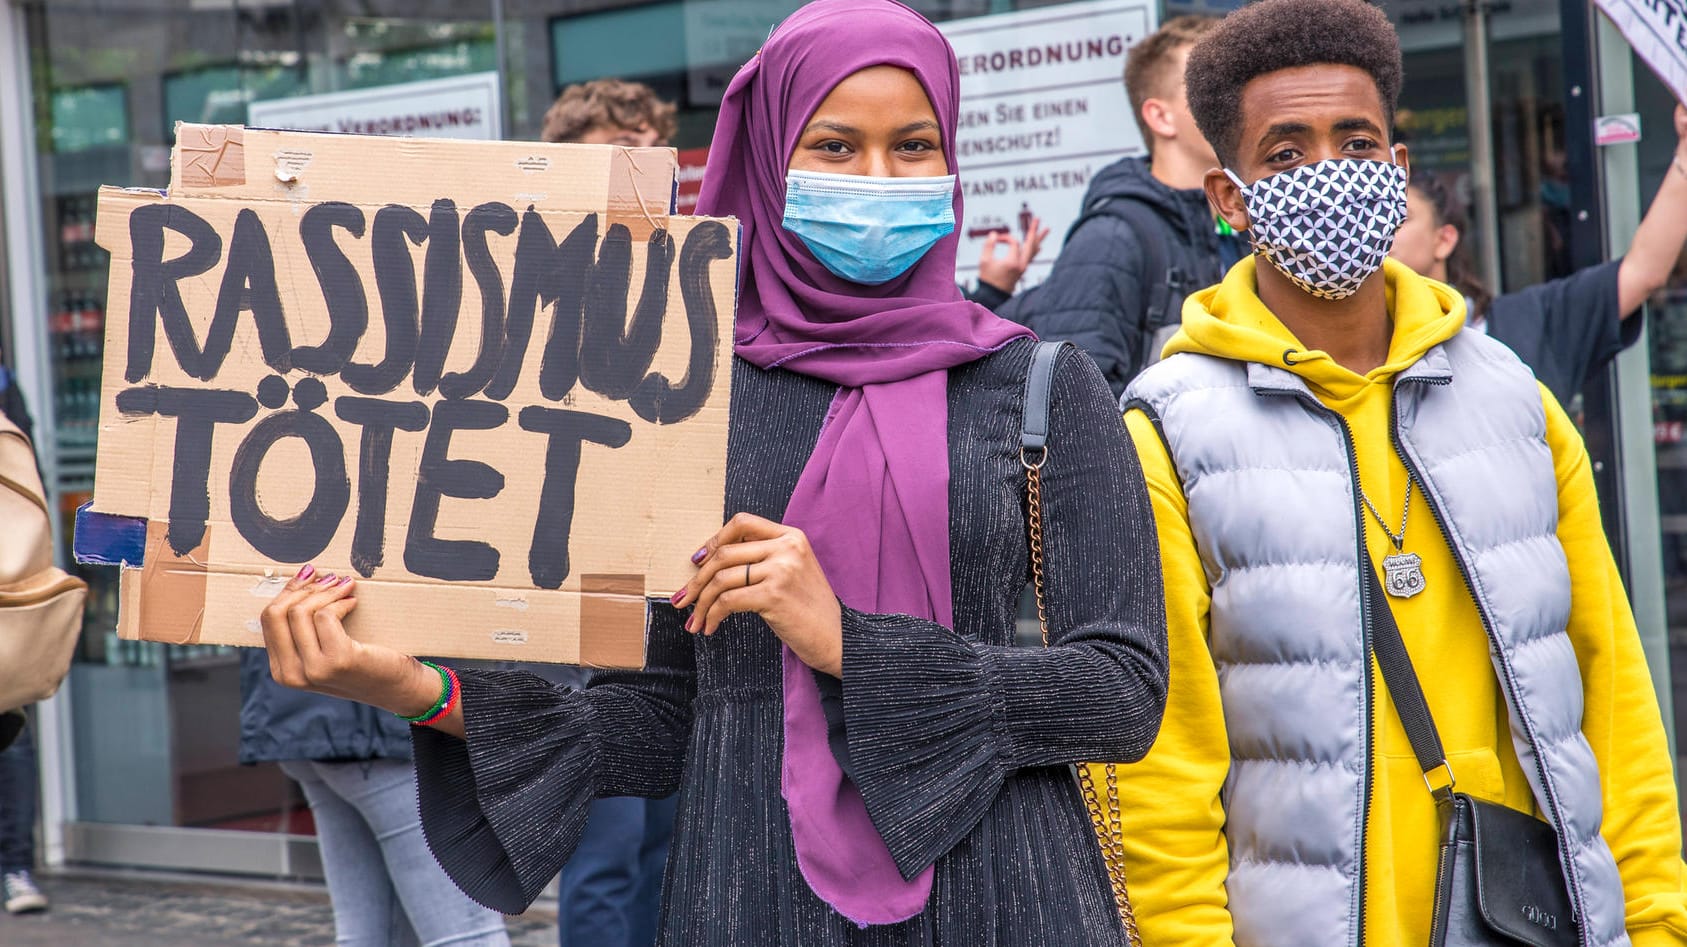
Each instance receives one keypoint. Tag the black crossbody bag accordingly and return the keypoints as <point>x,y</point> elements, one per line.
<point>1500,881</point>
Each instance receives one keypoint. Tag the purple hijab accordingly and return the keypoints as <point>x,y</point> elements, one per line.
<point>874,497</point>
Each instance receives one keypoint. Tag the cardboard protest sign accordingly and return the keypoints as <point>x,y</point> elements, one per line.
<point>1657,29</point>
<point>489,378</point>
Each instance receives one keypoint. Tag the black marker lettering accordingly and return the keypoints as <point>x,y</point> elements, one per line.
<point>499,219</point>
<point>613,355</point>
<point>378,419</point>
<point>342,287</point>
<point>248,284</point>
<point>442,296</point>
<point>302,537</point>
<point>657,400</point>
<point>547,558</point>
<point>395,280</point>
<point>197,412</point>
<point>153,289</point>
<point>453,560</point>
<point>546,273</point>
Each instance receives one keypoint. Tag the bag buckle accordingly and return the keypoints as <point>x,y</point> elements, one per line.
<point>1444,791</point>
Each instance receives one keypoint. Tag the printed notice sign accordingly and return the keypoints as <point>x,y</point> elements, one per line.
<point>1043,108</point>
<point>1657,29</point>
<point>458,107</point>
<point>490,379</point>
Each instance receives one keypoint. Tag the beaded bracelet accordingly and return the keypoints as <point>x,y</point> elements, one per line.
<point>450,702</point>
<point>447,690</point>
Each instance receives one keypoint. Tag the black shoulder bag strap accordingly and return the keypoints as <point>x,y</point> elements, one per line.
<point>1039,388</point>
<point>1500,880</point>
<point>1403,686</point>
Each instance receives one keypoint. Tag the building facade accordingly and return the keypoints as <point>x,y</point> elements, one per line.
<point>139,750</point>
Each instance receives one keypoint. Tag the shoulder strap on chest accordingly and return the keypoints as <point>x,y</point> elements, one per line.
<point>1039,388</point>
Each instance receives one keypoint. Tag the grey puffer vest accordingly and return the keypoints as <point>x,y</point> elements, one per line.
<point>1269,476</point>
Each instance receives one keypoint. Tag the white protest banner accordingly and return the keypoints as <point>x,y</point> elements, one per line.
<point>1657,29</point>
<point>458,107</point>
<point>1043,108</point>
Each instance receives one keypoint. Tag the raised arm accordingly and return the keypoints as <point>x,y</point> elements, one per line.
<point>1662,232</point>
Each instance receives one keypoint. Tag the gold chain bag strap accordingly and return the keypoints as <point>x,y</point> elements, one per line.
<point>1033,454</point>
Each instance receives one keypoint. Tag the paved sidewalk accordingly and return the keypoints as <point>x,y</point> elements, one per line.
<point>137,910</point>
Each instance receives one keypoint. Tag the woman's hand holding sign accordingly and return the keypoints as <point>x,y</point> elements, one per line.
<point>756,565</point>
<point>310,650</point>
<point>750,565</point>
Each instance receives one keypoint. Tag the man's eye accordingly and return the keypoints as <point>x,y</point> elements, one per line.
<point>1286,155</point>
<point>1362,144</point>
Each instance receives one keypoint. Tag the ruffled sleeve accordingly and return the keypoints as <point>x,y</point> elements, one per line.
<point>936,721</point>
<point>503,809</point>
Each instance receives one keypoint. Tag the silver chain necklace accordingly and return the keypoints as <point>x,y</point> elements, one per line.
<point>1403,571</point>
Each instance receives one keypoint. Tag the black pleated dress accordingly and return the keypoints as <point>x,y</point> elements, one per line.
<point>958,740</point>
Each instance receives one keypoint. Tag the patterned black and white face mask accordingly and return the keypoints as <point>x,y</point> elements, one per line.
<point>1327,226</point>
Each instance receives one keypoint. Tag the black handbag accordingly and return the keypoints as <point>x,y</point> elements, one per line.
<point>1500,880</point>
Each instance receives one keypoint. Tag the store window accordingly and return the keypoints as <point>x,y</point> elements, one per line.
<point>1527,88</point>
<point>1666,327</point>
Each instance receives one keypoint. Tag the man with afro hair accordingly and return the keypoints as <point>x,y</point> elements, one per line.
<point>1321,417</point>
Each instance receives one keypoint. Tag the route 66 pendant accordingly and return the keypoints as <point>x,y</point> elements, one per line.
<point>1402,574</point>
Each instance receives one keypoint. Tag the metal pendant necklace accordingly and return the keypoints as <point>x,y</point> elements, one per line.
<point>1402,571</point>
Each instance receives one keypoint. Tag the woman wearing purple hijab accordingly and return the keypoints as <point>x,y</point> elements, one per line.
<point>862,755</point>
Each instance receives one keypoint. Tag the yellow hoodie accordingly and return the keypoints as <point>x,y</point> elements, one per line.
<point>1173,813</point>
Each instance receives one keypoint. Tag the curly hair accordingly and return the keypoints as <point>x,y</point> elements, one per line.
<point>1272,35</point>
<point>607,102</point>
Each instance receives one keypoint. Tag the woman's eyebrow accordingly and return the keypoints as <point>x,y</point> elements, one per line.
<point>924,124</point>
<point>831,126</point>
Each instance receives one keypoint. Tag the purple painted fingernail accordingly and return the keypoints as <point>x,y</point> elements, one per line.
<point>305,573</point>
<point>678,595</point>
<point>699,555</point>
<point>344,580</point>
<point>327,579</point>
<point>689,622</point>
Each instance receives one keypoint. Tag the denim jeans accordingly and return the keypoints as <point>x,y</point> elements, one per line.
<point>384,882</point>
<point>18,779</point>
<point>611,889</point>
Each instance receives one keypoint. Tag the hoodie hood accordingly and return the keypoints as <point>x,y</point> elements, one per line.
<point>1130,177</point>
<point>1230,321</point>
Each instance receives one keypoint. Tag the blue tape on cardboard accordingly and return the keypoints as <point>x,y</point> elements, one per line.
<point>104,539</point>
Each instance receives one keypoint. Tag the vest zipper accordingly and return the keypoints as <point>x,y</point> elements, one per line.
<point>1508,681</point>
<point>1364,553</point>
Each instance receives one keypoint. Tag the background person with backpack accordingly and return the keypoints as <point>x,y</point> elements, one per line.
<point>1147,237</point>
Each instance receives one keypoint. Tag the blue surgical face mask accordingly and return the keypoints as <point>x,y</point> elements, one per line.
<point>868,230</point>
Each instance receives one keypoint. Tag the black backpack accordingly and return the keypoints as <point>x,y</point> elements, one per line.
<point>1165,296</point>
